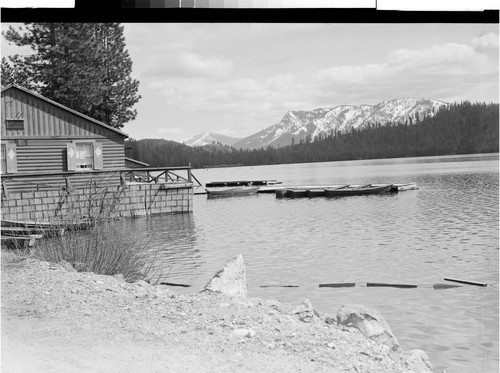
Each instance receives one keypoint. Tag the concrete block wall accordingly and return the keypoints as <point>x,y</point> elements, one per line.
<point>134,200</point>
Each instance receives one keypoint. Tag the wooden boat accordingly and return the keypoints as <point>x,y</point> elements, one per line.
<point>234,183</point>
<point>20,241</point>
<point>291,193</point>
<point>296,193</point>
<point>44,228</point>
<point>311,193</point>
<point>231,191</point>
<point>359,190</point>
<point>404,187</point>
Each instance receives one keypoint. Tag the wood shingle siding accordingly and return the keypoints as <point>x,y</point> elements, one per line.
<point>38,130</point>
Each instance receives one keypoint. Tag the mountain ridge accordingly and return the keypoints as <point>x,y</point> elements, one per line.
<point>207,138</point>
<point>300,125</point>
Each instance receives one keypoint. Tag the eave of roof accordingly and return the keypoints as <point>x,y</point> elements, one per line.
<point>136,161</point>
<point>64,108</point>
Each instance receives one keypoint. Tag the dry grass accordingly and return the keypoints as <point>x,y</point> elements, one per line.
<point>107,248</point>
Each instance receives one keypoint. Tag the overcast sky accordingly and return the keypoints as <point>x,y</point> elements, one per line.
<point>236,79</point>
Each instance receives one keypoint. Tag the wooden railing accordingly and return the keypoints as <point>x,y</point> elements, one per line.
<point>36,181</point>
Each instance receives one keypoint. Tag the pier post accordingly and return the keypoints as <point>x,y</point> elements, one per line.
<point>190,179</point>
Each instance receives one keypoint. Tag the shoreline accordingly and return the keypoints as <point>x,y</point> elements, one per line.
<point>55,319</point>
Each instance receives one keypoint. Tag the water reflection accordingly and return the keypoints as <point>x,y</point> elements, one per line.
<point>172,238</point>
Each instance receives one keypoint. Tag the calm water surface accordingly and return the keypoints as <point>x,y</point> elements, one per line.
<point>447,228</point>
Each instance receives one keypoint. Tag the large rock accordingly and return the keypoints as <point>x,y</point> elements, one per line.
<point>369,322</point>
<point>230,280</point>
<point>306,312</point>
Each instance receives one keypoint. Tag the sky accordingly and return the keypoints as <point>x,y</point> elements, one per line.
<point>237,79</point>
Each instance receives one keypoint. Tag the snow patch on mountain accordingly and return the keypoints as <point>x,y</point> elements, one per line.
<point>207,138</point>
<point>323,121</point>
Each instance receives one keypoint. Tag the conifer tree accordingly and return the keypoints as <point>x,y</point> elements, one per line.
<point>83,66</point>
<point>11,75</point>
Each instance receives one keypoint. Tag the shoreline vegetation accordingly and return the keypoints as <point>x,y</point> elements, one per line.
<point>55,319</point>
<point>460,128</point>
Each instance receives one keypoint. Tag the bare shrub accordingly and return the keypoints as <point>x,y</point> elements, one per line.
<point>106,246</point>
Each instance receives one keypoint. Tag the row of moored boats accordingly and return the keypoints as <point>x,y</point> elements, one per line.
<point>309,191</point>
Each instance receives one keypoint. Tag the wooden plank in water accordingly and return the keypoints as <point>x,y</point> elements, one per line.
<point>466,282</point>
<point>338,285</point>
<point>401,286</point>
<point>174,284</point>
<point>445,286</point>
<point>279,286</point>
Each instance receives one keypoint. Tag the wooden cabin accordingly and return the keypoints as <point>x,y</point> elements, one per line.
<point>45,145</point>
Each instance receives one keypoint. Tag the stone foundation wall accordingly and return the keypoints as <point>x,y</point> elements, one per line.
<point>134,200</point>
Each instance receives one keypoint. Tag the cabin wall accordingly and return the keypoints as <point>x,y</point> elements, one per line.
<point>40,143</point>
<point>135,200</point>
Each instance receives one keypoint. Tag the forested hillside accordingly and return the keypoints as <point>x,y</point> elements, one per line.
<point>460,128</point>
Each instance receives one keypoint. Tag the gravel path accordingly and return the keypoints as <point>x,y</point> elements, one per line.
<point>57,320</point>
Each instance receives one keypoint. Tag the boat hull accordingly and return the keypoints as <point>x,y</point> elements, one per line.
<point>360,191</point>
<point>231,192</point>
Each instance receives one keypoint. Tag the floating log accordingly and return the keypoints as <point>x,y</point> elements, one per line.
<point>402,286</point>
<point>445,286</point>
<point>466,282</point>
<point>279,286</point>
<point>174,284</point>
<point>338,285</point>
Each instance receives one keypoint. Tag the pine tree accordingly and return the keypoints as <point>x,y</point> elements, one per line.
<point>83,66</point>
<point>12,75</point>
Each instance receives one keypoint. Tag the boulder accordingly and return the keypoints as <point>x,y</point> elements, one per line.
<point>305,311</point>
<point>143,290</point>
<point>417,361</point>
<point>67,266</point>
<point>369,322</point>
<point>249,333</point>
<point>230,280</point>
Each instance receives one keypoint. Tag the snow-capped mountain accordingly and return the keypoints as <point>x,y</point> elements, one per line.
<point>300,124</point>
<point>210,138</point>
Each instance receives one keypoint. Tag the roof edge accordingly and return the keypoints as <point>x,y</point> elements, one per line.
<point>107,126</point>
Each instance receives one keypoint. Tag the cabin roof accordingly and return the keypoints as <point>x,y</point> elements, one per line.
<point>136,161</point>
<point>10,86</point>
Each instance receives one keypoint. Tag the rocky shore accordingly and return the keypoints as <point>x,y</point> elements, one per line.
<point>55,319</point>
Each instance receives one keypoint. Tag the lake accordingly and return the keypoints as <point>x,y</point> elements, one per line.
<point>449,227</point>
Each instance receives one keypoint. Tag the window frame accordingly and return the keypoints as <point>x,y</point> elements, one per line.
<point>97,160</point>
<point>10,163</point>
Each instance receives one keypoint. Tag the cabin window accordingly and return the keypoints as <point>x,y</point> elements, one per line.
<point>4,159</point>
<point>9,157</point>
<point>84,156</point>
<point>14,124</point>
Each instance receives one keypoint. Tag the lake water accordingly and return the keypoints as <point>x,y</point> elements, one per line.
<point>447,228</point>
